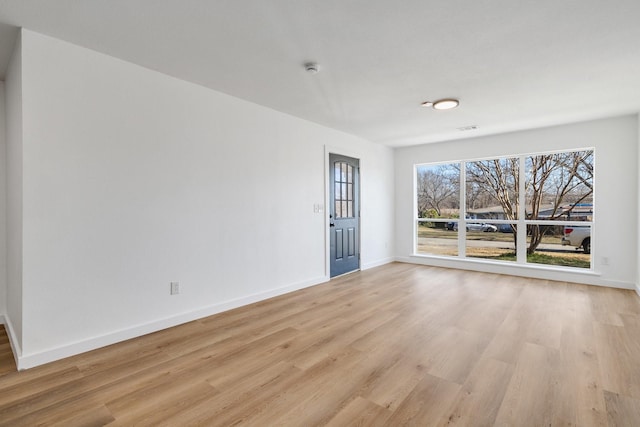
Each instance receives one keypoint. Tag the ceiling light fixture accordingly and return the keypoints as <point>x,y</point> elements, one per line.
<point>311,67</point>
<point>442,104</point>
<point>446,104</point>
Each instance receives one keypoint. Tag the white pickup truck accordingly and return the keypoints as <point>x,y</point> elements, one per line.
<point>578,236</point>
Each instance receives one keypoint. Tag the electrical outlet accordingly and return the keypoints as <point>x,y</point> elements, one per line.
<point>174,288</point>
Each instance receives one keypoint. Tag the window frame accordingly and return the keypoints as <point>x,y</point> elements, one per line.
<point>521,222</point>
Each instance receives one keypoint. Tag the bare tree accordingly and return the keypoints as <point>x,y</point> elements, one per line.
<point>478,196</point>
<point>561,180</point>
<point>500,179</point>
<point>438,188</point>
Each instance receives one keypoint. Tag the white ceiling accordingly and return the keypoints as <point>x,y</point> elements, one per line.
<point>513,64</point>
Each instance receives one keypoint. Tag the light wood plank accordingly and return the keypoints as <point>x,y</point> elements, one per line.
<point>426,403</point>
<point>360,413</point>
<point>454,353</point>
<point>396,345</point>
<point>481,396</point>
<point>534,389</point>
<point>622,411</point>
<point>618,352</point>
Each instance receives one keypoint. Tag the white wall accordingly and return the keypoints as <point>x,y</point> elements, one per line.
<point>13,98</point>
<point>377,206</point>
<point>616,192</point>
<point>637,261</point>
<point>133,179</point>
<point>3,207</point>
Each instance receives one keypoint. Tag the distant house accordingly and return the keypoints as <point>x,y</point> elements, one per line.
<point>578,212</point>
<point>492,212</point>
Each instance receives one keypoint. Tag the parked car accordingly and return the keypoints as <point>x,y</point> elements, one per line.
<point>487,228</point>
<point>505,228</point>
<point>578,236</point>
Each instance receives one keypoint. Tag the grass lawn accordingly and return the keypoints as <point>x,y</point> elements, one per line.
<point>538,258</point>
<point>432,241</point>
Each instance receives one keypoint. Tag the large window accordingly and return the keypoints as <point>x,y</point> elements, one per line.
<point>534,209</point>
<point>438,196</point>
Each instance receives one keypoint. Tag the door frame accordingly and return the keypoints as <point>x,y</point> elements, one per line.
<point>327,242</point>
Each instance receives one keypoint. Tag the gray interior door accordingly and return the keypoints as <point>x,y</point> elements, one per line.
<point>344,214</point>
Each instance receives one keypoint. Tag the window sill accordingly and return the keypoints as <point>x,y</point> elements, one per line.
<point>529,266</point>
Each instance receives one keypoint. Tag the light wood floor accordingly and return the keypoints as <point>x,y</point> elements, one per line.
<point>396,345</point>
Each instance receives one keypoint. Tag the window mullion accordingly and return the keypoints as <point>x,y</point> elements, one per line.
<point>462,229</point>
<point>521,249</point>
<point>415,208</point>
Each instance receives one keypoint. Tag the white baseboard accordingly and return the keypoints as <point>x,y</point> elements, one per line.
<point>26,361</point>
<point>638,289</point>
<point>377,263</point>
<point>13,340</point>
<point>534,272</point>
